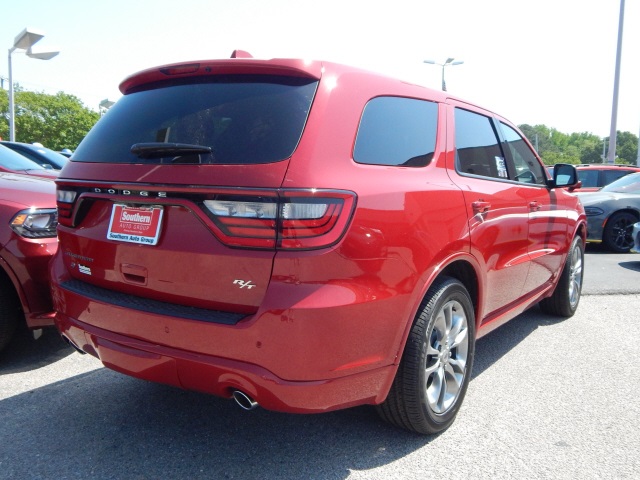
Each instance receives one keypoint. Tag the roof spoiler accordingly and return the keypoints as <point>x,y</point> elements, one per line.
<point>240,54</point>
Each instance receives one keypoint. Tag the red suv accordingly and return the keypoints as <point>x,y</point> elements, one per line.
<point>27,242</point>
<point>307,236</point>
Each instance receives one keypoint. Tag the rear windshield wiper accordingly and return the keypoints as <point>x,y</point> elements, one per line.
<point>160,149</point>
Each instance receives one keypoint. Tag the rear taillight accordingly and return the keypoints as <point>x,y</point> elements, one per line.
<point>244,222</point>
<point>293,220</point>
<point>276,219</point>
<point>65,199</point>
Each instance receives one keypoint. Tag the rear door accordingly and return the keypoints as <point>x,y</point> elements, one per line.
<point>498,214</point>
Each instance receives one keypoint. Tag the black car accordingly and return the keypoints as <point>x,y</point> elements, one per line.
<point>39,154</point>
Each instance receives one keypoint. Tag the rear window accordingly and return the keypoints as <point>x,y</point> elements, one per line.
<point>243,119</point>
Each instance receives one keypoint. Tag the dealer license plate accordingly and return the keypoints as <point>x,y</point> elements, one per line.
<point>135,224</point>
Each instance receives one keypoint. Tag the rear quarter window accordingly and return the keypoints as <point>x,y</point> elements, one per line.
<point>613,175</point>
<point>397,131</point>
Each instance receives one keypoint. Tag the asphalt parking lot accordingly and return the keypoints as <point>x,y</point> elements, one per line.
<point>549,399</point>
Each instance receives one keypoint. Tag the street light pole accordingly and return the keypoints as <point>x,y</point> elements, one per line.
<point>24,41</point>
<point>611,158</point>
<point>449,61</point>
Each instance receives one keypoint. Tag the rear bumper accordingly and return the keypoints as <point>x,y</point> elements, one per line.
<point>220,376</point>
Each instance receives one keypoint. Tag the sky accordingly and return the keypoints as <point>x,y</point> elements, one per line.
<point>548,62</point>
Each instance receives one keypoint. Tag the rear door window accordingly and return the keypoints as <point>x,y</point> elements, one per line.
<point>397,131</point>
<point>478,149</point>
<point>242,119</point>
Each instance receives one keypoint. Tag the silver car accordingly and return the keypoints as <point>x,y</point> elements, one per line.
<point>612,211</point>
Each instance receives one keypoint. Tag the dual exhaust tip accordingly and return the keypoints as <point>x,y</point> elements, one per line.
<point>243,400</point>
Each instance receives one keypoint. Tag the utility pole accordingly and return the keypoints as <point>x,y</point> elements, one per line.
<point>611,158</point>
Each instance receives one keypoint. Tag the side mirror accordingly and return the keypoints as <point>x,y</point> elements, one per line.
<point>565,176</point>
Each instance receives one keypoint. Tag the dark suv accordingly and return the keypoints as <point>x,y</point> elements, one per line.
<point>307,236</point>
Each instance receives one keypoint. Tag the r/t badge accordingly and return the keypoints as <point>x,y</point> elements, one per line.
<point>248,285</point>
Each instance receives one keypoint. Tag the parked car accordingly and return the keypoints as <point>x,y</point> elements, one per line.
<point>612,211</point>
<point>43,156</point>
<point>12,162</point>
<point>594,176</point>
<point>636,238</point>
<point>28,240</point>
<point>307,236</point>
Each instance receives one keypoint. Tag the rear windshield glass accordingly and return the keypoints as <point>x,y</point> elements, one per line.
<point>241,119</point>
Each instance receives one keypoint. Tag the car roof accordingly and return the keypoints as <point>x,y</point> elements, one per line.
<point>603,166</point>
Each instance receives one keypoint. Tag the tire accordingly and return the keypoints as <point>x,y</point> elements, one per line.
<point>9,311</point>
<point>565,298</point>
<point>617,232</point>
<point>434,372</point>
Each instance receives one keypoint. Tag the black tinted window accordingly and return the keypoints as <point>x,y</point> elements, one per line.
<point>589,178</point>
<point>527,167</point>
<point>243,119</point>
<point>397,131</point>
<point>477,148</point>
<point>613,175</point>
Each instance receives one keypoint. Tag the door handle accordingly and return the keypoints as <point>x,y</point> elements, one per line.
<point>534,206</point>
<point>480,207</point>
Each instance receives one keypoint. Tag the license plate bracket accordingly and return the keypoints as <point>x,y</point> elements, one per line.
<point>135,224</point>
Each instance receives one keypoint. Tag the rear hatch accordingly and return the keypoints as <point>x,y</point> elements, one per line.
<point>173,199</point>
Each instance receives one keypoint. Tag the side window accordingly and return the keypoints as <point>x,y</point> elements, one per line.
<point>611,175</point>
<point>589,178</point>
<point>477,147</point>
<point>397,131</point>
<point>527,167</point>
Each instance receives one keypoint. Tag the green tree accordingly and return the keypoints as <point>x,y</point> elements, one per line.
<point>56,121</point>
<point>555,147</point>
<point>626,148</point>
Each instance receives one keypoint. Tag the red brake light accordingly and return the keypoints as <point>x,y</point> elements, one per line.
<point>294,220</point>
<point>181,69</point>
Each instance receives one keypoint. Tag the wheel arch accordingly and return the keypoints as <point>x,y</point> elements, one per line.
<point>633,211</point>
<point>7,276</point>
<point>463,269</point>
<point>612,243</point>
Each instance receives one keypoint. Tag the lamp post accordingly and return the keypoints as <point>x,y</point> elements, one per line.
<point>611,157</point>
<point>448,62</point>
<point>105,105</point>
<point>24,41</point>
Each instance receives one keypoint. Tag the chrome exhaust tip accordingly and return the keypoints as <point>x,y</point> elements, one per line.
<point>75,347</point>
<point>243,400</point>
